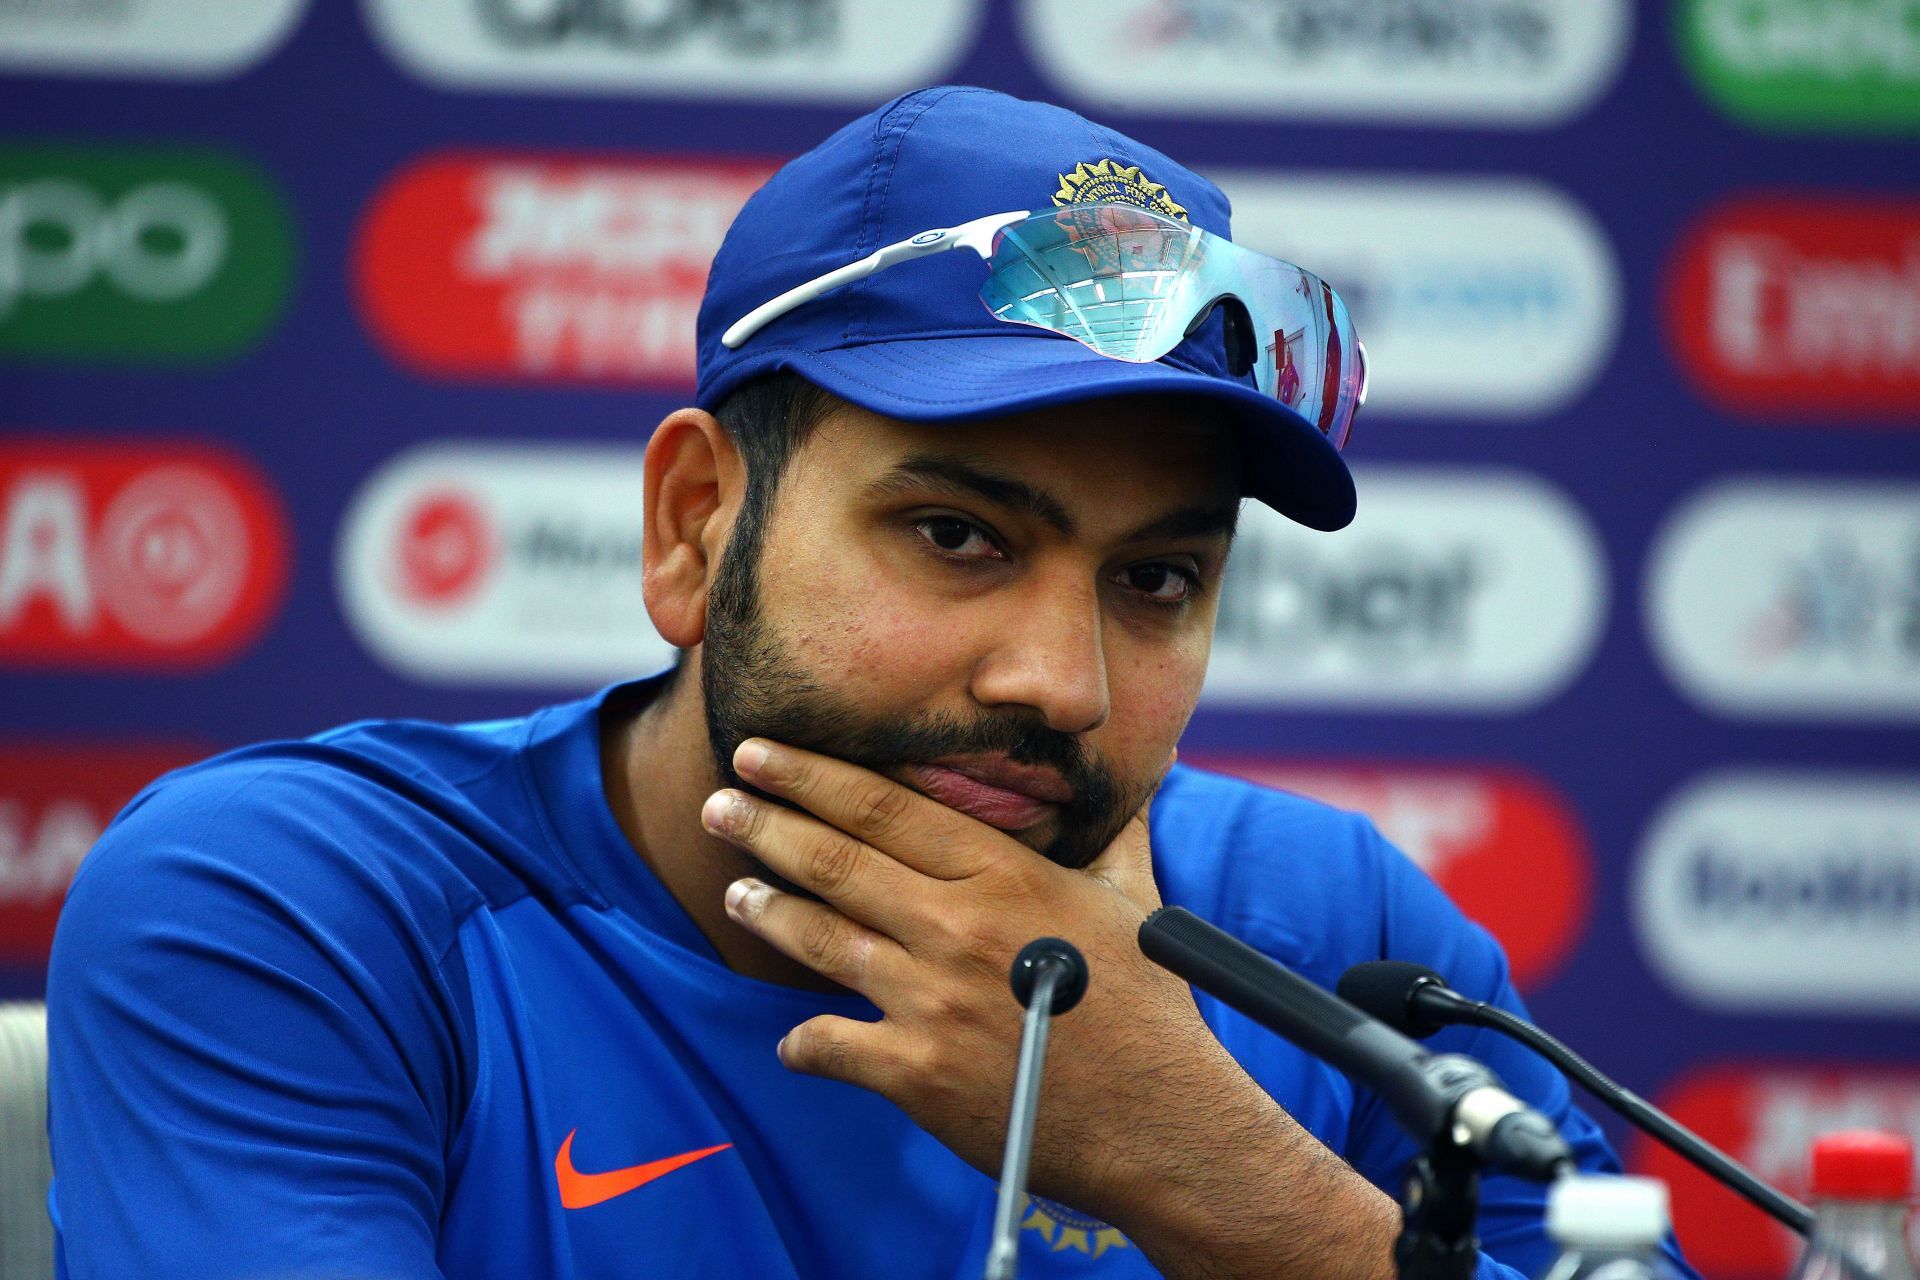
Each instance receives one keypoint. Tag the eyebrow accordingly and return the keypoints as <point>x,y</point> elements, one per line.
<point>938,471</point>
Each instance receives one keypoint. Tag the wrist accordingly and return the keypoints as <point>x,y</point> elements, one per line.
<point>1251,1193</point>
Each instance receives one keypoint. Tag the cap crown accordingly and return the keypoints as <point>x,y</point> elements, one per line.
<point>933,158</point>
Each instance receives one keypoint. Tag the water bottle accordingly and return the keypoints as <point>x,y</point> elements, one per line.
<point>1608,1228</point>
<point>1861,1181</point>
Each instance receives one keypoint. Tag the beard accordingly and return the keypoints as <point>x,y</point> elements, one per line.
<point>752,686</point>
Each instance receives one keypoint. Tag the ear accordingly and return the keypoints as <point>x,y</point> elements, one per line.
<point>695,480</point>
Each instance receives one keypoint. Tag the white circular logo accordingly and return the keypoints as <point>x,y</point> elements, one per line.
<point>172,555</point>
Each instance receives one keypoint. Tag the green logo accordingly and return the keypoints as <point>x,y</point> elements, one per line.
<point>1808,64</point>
<point>137,255</point>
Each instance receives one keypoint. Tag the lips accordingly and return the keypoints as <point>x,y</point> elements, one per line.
<point>999,793</point>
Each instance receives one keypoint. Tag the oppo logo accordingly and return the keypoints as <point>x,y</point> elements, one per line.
<point>1514,63</point>
<point>1504,845</point>
<point>501,564</point>
<point>842,51</point>
<point>1488,297</point>
<point>133,554</point>
<point>1453,590</point>
<point>1785,892</point>
<point>158,242</point>
<point>137,255</point>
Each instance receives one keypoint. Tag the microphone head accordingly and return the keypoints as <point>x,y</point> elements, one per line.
<point>1386,989</point>
<point>1067,988</point>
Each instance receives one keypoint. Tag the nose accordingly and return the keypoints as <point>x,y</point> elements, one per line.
<point>1047,655</point>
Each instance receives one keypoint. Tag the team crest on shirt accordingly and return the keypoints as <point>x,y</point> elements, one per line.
<point>1067,1229</point>
<point>1107,181</point>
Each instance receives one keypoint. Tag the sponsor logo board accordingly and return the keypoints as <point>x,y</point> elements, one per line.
<point>55,800</point>
<point>547,268</point>
<point>1453,590</point>
<point>1510,63</point>
<point>134,554</point>
<point>150,255</point>
<point>1792,598</point>
<point>1797,64</point>
<point>1484,297</point>
<point>1766,1116</point>
<point>1802,308</point>
<point>850,51</point>
<point>502,564</point>
<point>170,39</point>
<point>1785,892</point>
<point>1504,845</point>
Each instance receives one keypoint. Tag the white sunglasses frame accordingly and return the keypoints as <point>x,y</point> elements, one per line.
<point>977,235</point>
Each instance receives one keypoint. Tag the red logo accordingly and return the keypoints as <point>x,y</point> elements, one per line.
<point>584,1190</point>
<point>547,268</point>
<point>446,549</point>
<point>1802,307</point>
<point>54,803</point>
<point>1503,845</point>
<point>1766,1117</point>
<point>134,554</point>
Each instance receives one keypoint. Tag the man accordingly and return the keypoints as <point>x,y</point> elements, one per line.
<point>707,974</point>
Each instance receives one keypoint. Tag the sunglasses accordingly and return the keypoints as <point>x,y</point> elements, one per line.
<point>1133,284</point>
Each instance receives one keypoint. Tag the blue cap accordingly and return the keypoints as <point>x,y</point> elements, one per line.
<point>914,341</point>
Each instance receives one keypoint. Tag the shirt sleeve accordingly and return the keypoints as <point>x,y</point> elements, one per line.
<point>254,1059</point>
<point>1423,926</point>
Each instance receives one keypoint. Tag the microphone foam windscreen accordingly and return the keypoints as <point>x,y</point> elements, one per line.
<point>1384,988</point>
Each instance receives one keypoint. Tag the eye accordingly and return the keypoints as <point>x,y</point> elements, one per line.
<point>958,538</point>
<point>1160,582</point>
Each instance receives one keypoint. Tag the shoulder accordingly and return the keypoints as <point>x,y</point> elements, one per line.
<point>381,829</point>
<point>1316,886</point>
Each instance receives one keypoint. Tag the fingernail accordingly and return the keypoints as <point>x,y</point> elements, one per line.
<point>749,756</point>
<point>780,1050</point>
<point>721,809</point>
<point>745,897</point>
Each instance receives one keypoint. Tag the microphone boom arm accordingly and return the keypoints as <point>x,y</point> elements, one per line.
<point>1631,1107</point>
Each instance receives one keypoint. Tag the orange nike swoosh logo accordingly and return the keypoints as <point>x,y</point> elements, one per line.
<point>584,1190</point>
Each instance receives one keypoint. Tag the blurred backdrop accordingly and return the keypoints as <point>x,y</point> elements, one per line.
<point>331,332</point>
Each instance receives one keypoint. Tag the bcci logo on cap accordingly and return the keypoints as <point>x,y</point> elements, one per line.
<point>1107,181</point>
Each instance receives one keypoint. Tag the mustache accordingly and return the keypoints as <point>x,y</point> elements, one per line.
<point>811,719</point>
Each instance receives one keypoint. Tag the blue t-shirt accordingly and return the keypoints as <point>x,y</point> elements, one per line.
<point>365,1005</point>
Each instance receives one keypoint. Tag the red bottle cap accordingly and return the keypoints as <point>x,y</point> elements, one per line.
<point>1862,1164</point>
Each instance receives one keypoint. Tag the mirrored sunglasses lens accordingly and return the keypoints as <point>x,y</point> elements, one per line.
<point>1115,278</point>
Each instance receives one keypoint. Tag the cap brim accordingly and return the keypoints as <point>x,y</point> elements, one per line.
<point>1289,465</point>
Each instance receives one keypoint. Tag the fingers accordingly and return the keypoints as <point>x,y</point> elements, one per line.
<point>922,833</point>
<point>840,1049</point>
<point>858,879</point>
<point>815,935</point>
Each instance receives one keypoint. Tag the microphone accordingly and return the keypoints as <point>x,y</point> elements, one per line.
<point>1416,1000</point>
<point>1049,977</point>
<point>1433,1095</point>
